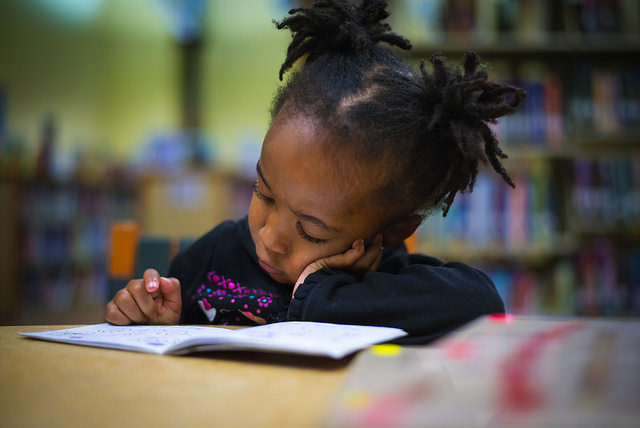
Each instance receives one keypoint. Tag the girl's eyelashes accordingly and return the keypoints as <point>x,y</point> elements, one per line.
<point>260,195</point>
<point>307,236</point>
<point>301,232</point>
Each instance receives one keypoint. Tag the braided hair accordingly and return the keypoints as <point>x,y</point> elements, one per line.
<point>430,128</point>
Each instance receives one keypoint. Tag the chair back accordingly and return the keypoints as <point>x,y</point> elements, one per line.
<point>132,252</point>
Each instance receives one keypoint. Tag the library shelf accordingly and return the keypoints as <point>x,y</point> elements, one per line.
<point>529,255</point>
<point>571,227</point>
<point>550,46</point>
<point>59,238</point>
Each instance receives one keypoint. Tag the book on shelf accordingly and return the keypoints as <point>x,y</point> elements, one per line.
<point>601,16</point>
<point>296,337</point>
<point>494,214</point>
<point>533,21</point>
<point>606,101</point>
<point>605,193</point>
<point>598,280</point>
<point>597,101</point>
<point>63,242</point>
<point>553,106</point>
<point>529,22</point>
<point>517,213</point>
<point>459,19</point>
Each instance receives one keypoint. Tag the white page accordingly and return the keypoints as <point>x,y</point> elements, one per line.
<point>154,339</point>
<point>315,338</point>
<point>333,340</point>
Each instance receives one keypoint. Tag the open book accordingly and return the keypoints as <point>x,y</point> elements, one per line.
<point>300,337</point>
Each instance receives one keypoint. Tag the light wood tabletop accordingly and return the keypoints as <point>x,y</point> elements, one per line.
<point>54,384</point>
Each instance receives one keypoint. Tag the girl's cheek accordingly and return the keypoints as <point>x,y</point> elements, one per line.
<point>313,252</point>
<point>303,257</point>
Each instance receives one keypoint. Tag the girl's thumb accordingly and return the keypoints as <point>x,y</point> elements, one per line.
<point>169,286</point>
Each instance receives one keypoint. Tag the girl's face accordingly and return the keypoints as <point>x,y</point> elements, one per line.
<point>304,206</point>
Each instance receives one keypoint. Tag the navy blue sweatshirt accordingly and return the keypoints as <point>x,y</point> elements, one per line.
<point>222,283</point>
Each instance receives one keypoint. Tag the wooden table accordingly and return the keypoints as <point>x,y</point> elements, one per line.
<point>53,384</point>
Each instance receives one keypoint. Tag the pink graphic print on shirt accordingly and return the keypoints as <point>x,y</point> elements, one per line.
<point>232,302</point>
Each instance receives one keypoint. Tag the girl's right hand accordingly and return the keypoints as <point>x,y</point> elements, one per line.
<point>358,259</point>
<point>150,300</point>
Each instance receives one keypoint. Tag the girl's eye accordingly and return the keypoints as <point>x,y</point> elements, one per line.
<point>308,237</point>
<point>268,200</point>
<point>260,195</point>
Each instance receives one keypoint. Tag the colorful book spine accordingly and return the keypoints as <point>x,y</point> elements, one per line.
<point>605,193</point>
<point>495,215</point>
<point>554,113</point>
<point>598,281</point>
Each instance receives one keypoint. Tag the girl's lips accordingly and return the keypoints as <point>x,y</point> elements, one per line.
<point>268,267</point>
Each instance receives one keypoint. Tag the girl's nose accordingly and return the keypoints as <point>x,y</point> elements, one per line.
<point>273,234</point>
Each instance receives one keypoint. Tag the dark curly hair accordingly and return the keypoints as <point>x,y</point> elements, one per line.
<point>430,127</point>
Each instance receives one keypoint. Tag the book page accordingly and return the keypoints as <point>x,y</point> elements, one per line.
<point>154,339</point>
<point>316,338</point>
<point>311,338</point>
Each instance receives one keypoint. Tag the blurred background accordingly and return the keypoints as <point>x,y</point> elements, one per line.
<point>153,111</point>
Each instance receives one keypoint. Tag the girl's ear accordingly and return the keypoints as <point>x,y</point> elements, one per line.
<point>400,230</point>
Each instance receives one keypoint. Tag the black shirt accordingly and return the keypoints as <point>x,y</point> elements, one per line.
<point>222,283</point>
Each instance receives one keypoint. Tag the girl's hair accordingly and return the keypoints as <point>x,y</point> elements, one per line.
<point>430,128</point>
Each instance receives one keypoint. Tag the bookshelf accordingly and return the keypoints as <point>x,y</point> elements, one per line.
<point>58,236</point>
<point>55,233</point>
<point>600,47</point>
<point>567,239</point>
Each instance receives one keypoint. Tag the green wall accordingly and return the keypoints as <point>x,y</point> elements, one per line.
<point>109,72</point>
<point>242,56</point>
<point>108,78</point>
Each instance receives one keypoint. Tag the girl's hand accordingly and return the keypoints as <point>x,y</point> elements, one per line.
<point>150,300</point>
<point>356,260</point>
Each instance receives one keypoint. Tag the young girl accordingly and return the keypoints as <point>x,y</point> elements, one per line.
<point>360,149</point>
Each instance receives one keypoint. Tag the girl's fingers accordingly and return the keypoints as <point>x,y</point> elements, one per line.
<point>170,289</point>
<point>151,279</point>
<point>376,263</point>
<point>114,315</point>
<point>356,259</point>
<point>371,257</point>
<point>168,312</point>
<point>152,299</point>
<point>343,260</point>
<point>126,303</point>
<point>339,261</point>
<point>143,299</point>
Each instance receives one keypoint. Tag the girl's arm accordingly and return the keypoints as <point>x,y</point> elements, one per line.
<point>420,294</point>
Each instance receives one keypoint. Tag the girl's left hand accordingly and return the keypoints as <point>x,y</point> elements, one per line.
<point>356,260</point>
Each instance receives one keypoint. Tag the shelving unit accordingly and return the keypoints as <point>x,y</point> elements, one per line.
<point>553,47</point>
<point>58,237</point>
<point>567,240</point>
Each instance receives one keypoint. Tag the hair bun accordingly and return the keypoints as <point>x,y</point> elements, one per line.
<point>339,26</point>
<point>462,103</point>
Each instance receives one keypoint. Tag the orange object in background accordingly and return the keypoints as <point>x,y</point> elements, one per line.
<point>124,244</point>
<point>412,243</point>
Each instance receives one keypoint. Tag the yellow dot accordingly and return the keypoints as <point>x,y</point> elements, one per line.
<point>386,350</point>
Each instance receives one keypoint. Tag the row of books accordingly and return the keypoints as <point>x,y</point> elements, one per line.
<point>494,214</point>
<point>65,238</point>
<point>605,194</point>
<point>600,280</point>
<point>604,99</point>
<point>437,21</point>
<point>595,101</point>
